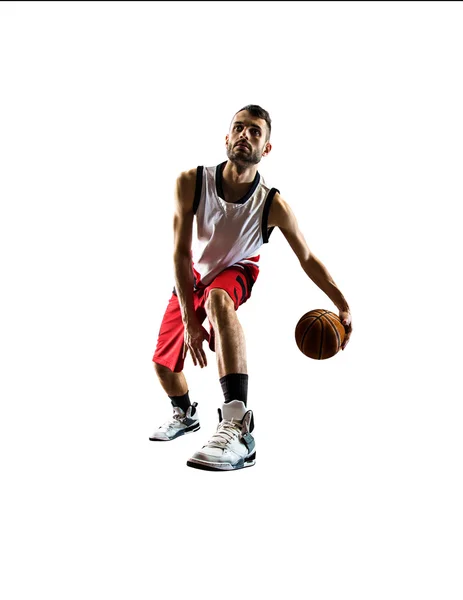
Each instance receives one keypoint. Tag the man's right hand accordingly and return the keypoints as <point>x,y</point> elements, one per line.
<point>195,334</point>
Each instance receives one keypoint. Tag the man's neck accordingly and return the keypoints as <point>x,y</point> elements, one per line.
<point>235,174</point>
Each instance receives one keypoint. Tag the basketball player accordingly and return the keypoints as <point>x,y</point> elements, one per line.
<point>234,213</point>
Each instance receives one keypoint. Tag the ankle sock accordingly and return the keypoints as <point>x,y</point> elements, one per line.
<point>182,402</point>
<point>235,387</point>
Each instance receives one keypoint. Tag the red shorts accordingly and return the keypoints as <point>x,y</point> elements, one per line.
<point>235,281</point>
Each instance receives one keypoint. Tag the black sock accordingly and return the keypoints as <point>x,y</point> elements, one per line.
<point>235,387</point>
<point>182,402</point>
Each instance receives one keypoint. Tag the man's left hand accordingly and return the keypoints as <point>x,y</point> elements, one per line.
<point>346,320</point>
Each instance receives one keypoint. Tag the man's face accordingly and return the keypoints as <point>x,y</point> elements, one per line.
<point>246,142</point>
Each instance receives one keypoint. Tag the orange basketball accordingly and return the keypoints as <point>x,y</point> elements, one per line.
<point>319,334</point>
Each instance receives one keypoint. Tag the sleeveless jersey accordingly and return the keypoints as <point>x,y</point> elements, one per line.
<point>228,233</point>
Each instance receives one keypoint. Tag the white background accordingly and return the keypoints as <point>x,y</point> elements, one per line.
<point>357,489</point>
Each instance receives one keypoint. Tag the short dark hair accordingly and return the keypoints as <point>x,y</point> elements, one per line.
<point>260,113</point>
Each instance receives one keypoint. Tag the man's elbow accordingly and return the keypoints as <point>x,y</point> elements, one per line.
<point>313,267</point>
<point>308,260</point>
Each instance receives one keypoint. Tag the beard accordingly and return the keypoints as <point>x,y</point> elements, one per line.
<point>243,156</point>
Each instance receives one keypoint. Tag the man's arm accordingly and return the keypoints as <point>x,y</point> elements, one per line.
<point>183,272</point>
<point>283,217</point>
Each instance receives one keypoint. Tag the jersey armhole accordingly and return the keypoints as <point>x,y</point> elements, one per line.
<point>266,232</point>
<point>198,188</point>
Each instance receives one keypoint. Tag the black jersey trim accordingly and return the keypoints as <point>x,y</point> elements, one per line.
<point>198,188</point>
<point>219,188</point>
<point>218,179</point>
<point>266,232</point>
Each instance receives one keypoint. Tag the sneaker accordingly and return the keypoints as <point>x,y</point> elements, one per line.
<point>232,446</point>
<point>180,424</point>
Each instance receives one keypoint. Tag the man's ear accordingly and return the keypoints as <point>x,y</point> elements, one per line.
<point>268,147</point>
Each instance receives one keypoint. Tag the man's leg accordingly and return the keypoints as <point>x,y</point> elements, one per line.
<point>233,446</point>
<point>230,345</point>
<point>169,352</point>
<point>185,418</point>
<point>174,384</point>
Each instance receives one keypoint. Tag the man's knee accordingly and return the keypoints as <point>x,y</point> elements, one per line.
<point>218,303</point>
<point>162,372</point>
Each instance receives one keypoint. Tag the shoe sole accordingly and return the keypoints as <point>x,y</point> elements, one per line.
<point>250,461</point>
<point>183,432</point>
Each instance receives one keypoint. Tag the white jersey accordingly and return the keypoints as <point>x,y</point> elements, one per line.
<point>228,233</point>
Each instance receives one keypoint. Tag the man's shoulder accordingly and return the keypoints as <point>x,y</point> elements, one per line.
<point>186,184</point>
<point>187,177</point>
<point>279,210</point>
<point>278,201</point>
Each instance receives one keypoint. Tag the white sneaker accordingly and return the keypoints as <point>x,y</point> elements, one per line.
<point>180,424</point>
<point>232,446</point>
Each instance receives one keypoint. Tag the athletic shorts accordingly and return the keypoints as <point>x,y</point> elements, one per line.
<point>235,281</point>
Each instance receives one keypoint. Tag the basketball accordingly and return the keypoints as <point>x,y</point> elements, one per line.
<point>319,334</point>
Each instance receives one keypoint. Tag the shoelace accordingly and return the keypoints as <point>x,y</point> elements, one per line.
<point>226,433</point>
<point>172,422</point>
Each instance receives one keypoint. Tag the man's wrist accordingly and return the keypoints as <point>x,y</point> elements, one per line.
<point>342,304</point>
<point>189,316</point>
